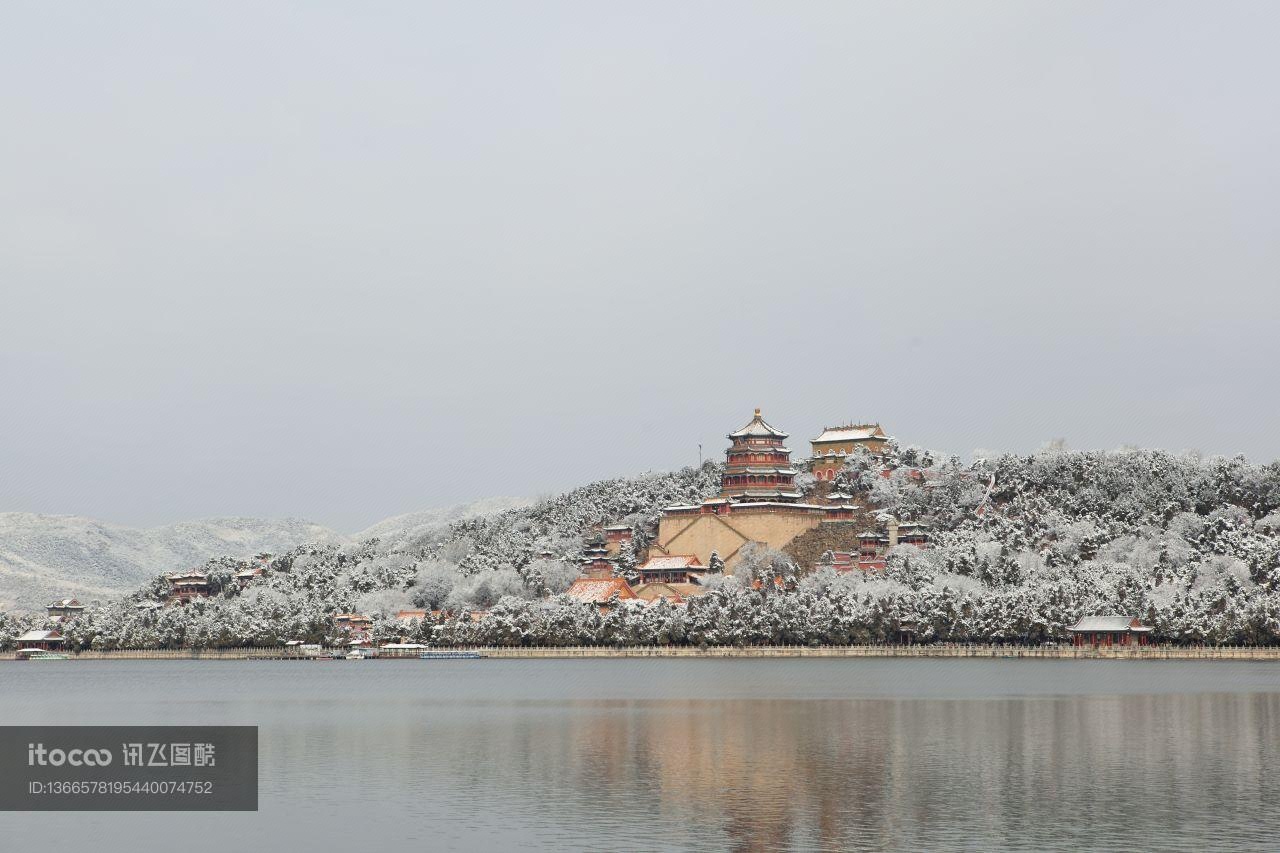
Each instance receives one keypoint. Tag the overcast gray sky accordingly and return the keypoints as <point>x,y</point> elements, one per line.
<point>342,261</point>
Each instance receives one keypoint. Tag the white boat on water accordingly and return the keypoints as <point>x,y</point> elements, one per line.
<point>41,654</point>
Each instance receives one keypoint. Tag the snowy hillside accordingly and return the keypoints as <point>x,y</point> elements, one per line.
<point>418,560</point>
<point>43,557</point>
<point>1021,547</point>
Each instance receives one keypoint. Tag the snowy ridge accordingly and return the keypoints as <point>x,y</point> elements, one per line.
<point>43,557</point>
<point>1021,548</point>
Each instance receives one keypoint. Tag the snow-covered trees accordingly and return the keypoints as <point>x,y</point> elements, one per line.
<point>757,562</point>
<point>13,626</point>
<point>518,536</point>
<point>1190,545</point>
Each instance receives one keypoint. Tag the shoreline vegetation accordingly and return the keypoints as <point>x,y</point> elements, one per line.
<point>954,651</point>
<point>1019,549</point>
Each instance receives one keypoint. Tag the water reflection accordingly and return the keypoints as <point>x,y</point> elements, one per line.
<point>561,756</point>
<point>1169,772</point>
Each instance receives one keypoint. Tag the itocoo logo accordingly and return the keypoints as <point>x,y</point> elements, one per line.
<point>38,755</point>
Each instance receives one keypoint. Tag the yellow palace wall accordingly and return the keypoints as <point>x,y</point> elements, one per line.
<point>699,535</point>
<point>822,462</point>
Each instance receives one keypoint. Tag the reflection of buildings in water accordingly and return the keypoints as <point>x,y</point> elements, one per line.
<point>441,760</point>
<point>764,773</point>
<point>843,774</point>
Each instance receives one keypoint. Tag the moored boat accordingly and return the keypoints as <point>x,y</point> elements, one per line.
<point>41,654</point>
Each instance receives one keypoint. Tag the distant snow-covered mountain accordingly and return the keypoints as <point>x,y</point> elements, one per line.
<point>43,557</point>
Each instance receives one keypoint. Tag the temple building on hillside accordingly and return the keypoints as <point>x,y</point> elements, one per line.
<point>874,546</point>
<point>676,568</point>
<point>838,443</point>
<point>615,536</point>
<point>185,586</point>
<point>841,561</point>
<point>64,609</point>
<point>757,465</point>
<point>596,562</point>
<point>357,627</point>
<point>841,507</point>
<point>895,533</point>
<point>758,502</point>
<point>244,577</point>
<point>410,617</point>
<point>602,592</point>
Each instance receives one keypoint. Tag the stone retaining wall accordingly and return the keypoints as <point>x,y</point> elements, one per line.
<point>1255,653</point>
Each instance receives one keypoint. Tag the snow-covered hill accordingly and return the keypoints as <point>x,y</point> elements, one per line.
<point>1020,548</point>
<point>43,557</point>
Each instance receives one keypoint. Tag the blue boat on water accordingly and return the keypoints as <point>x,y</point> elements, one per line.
<point>446,655</point>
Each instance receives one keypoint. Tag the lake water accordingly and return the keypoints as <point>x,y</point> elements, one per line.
<point>867,754</point>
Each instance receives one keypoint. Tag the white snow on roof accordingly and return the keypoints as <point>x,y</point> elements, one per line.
<point>856,432</point>
<point>595,589</point>
<point>758,428</point>
<point>1107,623</point>
<point>39,636</point>
<point>677,561</point>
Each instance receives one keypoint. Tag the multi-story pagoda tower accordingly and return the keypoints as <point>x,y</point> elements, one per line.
<point>758,466</point>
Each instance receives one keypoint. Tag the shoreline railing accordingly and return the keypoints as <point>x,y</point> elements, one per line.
<point>938,650</point>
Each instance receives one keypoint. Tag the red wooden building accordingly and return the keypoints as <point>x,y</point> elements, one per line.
<point>758,466</point>
<point>184,586</point>
<point>39,641</point>
<point>357,626</point>
<point>1110,631</point>
<point>596,562</point>
<point>875,545</point>
<point>600,591</point>
<point>65,609</point>
<point>675,568</point>
<point>615,535</point>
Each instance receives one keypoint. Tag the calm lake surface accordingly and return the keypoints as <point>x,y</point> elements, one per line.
<point>693,754</point>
